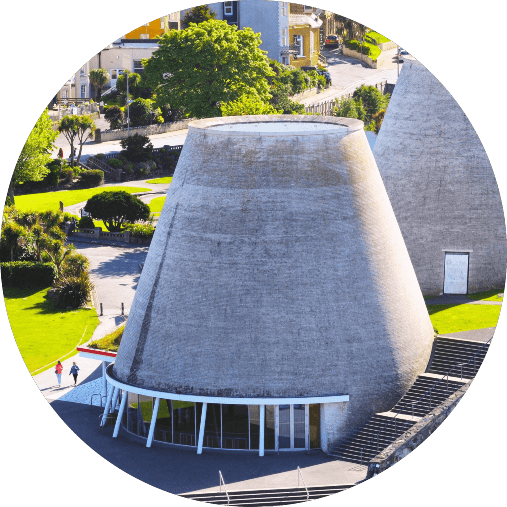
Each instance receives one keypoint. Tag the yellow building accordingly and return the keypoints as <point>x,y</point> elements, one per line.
<point>156,27</point>
<point>304,31</point>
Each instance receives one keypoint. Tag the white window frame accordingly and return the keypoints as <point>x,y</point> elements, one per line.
<point>83,91</point>
<point>299,39</point>
<point>144,35</point>
<point>312,42</point>
<point>284,36</point>
<point>283,7</point>
<point>307,8</point>
<point>161,23</point>
<point>134,69</point>
<point>228,9</point>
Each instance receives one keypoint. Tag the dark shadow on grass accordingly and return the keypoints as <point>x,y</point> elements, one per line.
<point>21,292</point>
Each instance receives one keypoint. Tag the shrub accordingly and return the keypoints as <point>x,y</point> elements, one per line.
<point>53,178</point>
<point>115,116</point>
<point>100,156</point>
<point>129,168</point>
<point>73,291</point>
<point>67,175</point>
<point>370,50</point>
<point>145,168</point>
<point>86,223</point>
<point>92,178</point>
<point>109,342</point>
<point>140,112</point>
<point>246,105</point>
<point>28,274</point>
<point>136,148</point>
<point>115,163</point>
<point>144,231</point>
<point>75,264</point>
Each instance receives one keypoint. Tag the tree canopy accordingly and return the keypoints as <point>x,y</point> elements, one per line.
<point>116,208</point>
<point>205,65</point>
<point>35,155</point>
<point>197,15</point>
<point>99,78</point>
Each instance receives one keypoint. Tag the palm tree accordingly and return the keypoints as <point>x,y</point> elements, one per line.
<point>98,78</point>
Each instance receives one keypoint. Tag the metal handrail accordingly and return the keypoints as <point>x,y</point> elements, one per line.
<point>413,403</point>
<point>97,394</point>
<point>220,482</point>
<point>300,475</point>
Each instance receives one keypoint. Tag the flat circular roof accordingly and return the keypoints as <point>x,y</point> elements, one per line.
<point>279,126</point>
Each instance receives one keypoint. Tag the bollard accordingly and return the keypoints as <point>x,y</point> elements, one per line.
<point>101,310</point>
<point>122,309</point>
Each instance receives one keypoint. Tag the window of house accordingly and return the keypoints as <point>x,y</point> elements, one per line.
<point>144,36</point>
<point>228,8</point>
<point>284,8</point>
<point>161,23</point>
<point>284,37</point>
<point>83,91</point>
<point>311,43</point>
<point>307,8</point>
<point>82,71</point>
<point>138,66</point>
<point>298,40</point>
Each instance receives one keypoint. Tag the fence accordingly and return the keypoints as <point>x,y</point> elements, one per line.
<point>326,107</point>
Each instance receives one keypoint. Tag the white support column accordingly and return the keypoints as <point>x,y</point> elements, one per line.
<point>104,380</point>
<point>108,404</point>
<point>277,428</point>
<point>307,427</point>
<point>120,414</point>
<point>116,393</point>
<point>153,422</point>
<point>261,429</point>
<point>201,428</point>
<point>291,425</point>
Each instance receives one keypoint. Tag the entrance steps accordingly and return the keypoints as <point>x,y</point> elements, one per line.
<point>267,497</point>
<point>428,391</point>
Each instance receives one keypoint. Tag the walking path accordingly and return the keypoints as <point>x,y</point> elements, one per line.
<point>457,299</point>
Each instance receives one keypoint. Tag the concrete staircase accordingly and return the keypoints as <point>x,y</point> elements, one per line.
<point>267,497</point>
<point>428,391</point>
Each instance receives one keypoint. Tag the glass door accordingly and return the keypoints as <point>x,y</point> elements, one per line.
<point>284,440</point>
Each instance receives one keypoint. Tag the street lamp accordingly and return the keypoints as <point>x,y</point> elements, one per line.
<point>128,108</point>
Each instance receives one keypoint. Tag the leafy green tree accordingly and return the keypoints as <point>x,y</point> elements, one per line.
<point>248,105</point>
<point>11,235</point>
<point>114,115</point>
<point>136,148</point>
<point>205,65</point>
<point>141,112</point>
<point>35,155</point>
<point>99,78</point>
<point>349,108</point>
<point>116,208</point>
<point>68,126</point>
<point>134,80</point>
<point>373,101</point>
<point>197,15</point>
<point>85,130</point>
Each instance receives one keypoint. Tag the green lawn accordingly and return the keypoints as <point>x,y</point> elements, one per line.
<point>167,179</point>
<point>490,295</point>
<point>456,318</point>
<point>44,333</point>
<point>378,37</point>
<point>157,204</point>
<point>51,200</point>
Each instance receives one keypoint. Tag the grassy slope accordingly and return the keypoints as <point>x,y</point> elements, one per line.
<point>490,295</point>
<point>157,204</point>
<point>456,318</point>
<point>167,179</point>
<point>43,333</point>
<point>51,200</point>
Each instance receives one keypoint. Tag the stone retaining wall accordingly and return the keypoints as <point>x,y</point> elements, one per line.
<point>415,436</point>
<point>148,130</point>
<point>386,46</point>
<point>98,234</point>
<point>378,64</point>
<point>79,110</point>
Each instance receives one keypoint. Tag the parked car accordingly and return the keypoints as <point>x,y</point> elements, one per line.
<point>324,73</point>
<point>331,41</point>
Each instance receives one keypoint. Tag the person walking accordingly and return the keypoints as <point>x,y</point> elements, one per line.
<point>58,371</point>
<point>74,370</point>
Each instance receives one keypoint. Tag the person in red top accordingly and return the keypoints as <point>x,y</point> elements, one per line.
<point>58,371</point>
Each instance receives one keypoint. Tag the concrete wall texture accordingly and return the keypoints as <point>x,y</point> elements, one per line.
<point>440,183</point>
<point>277,269</point>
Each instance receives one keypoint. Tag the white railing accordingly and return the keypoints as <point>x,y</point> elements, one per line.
<point>300,475</point>
<point>220,482</point>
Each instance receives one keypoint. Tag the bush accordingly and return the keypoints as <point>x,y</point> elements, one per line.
<point>86,223</point>
<point>53,178</point>
<point>115,116</point>
<point>75,264</point>
<point>100,156</point>
<point>136,148</point>
<point>67,175</point>
<point>92,178</point>
<point>115,163</point>
<point>73,291</point>
<point>368,49</point>
<point>28,274</point>
<point>144,231</point>
<point>246,105</point>
<point>140,112</point>
<point>170,115</point>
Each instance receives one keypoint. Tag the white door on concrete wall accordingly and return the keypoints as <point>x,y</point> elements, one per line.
<point>456,273</point>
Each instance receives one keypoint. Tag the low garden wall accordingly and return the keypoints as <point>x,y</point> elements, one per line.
<point>386,46</point>
<point>148,130</point>
<point>378,64</point>
<point>98,234</point>
<point>416,435</point>
<point>79,110</point>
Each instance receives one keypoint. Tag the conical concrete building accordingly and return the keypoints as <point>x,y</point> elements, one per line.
<point>278,307</point>
<point>442,188</point>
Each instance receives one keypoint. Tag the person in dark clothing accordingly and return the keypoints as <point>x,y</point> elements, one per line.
<point>73,371</point>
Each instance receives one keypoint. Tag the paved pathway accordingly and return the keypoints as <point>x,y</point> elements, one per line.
<point>457,299</point>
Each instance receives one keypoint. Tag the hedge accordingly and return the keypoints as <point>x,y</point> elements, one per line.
<point>368,49</point>
<point>28,274</point>
<point>92,178</point>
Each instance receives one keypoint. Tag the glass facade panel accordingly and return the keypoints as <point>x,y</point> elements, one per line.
<point>212,426</point>
<point>235,427</point>
<point>299,427</point>
<point>254,411</point>
<point>269,428</point>
<point>284,427</point>
<point>163,426</point>
<point>184,422</point>
<point>315,426</point>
